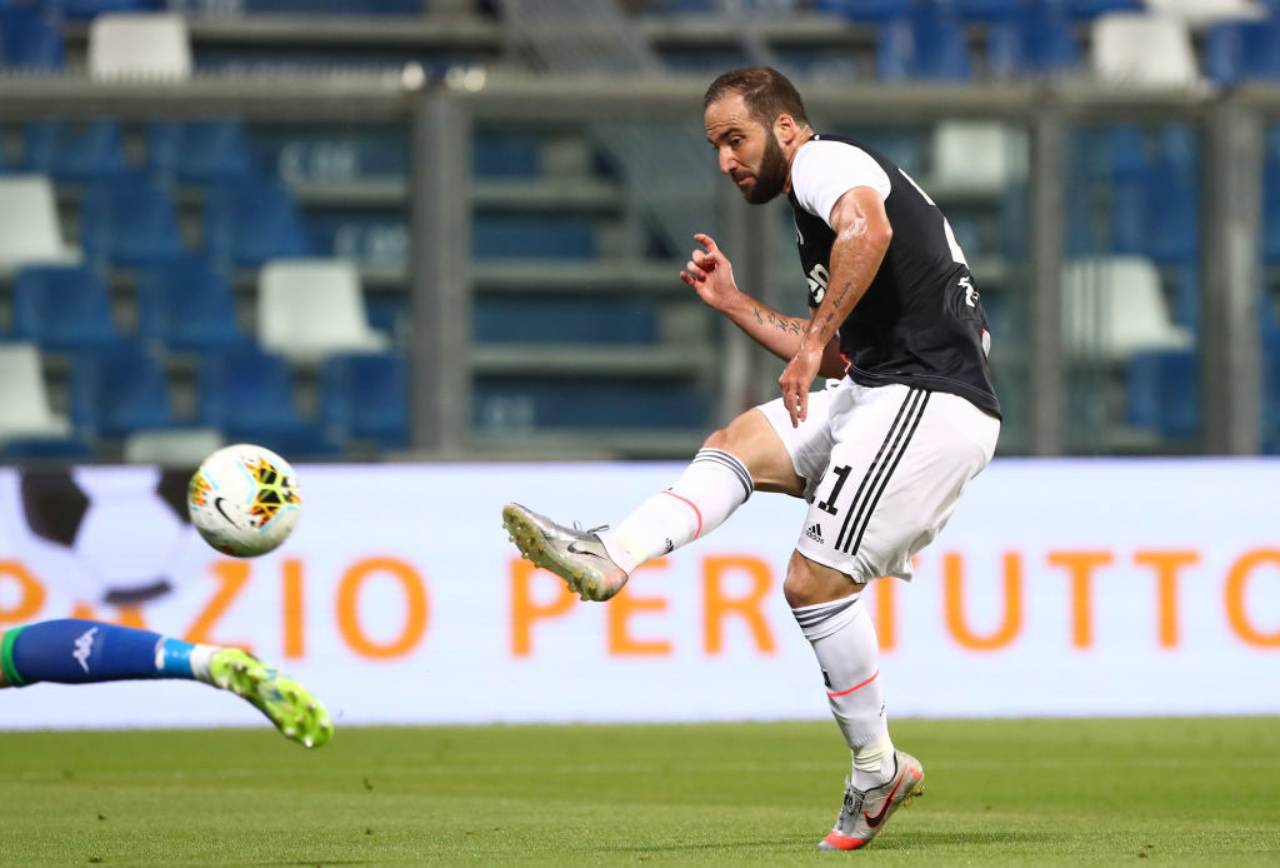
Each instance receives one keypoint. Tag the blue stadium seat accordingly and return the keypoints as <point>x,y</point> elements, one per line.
<point>74,152</point>
<point>586,403</point>
<point>706,62</point>
<point>980,10</point>
<point>1236,51</point>
<point>1173,216</point>
<point>81,9</point>
<point>925,45</point>
<point>1164,394</point>
<point>366,397</point>
<point>129,221</point>
<point>865,10</point>
<point>584,321</point>
<point>188,306</point>
<point>1271,394</point>
<point>249,395</point>
<point>118,389</point>
<point>62,307</point>
<point>1271,211</point>
<point>1086,9</point>
<point>686,7</point>
<point>30,39</point>
<point>336,7</point>
<point>504,236</point>
<point>500,155</point>
<point>198,151</point>
<point>252,220</point>
<point>1033,41</point>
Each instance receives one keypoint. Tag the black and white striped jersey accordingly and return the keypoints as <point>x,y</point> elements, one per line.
<point>921,322</point>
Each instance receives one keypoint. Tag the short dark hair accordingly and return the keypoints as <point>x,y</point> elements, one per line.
<point>767,93</point>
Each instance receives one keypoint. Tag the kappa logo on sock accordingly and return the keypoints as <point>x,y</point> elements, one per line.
<point>814,532</point>
<point>826,679</point>
<point>670,547</point>
<point>83,646</point>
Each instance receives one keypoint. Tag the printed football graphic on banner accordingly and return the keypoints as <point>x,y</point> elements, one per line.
<point>111,536</point>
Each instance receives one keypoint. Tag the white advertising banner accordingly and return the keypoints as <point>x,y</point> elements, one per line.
<point>1059,588</point>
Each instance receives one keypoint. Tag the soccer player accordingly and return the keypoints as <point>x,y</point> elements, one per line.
<point>72,651</point>
<point>881,458</point>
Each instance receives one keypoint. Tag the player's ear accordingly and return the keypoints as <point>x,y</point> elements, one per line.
<point>785,129</point>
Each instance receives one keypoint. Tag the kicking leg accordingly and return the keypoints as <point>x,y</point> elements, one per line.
<point>759,450</point>
<point>736,460</point>
<point>85,652</point>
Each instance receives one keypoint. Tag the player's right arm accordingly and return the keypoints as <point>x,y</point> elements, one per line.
<point>710,274</point>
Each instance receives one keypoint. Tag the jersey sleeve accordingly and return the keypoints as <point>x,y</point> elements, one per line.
<point>822,172</point>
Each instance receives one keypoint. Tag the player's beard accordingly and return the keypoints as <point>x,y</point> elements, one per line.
<point>771,177</point>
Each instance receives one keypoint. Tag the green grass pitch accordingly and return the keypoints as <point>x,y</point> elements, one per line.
<point>1066,792</point>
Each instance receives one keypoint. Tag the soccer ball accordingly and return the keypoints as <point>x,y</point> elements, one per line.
<point>244,500</point>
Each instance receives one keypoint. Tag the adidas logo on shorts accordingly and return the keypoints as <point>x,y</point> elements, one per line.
<point>814,532</point>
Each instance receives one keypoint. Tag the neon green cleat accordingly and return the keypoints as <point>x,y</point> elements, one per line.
<point>295,712</point>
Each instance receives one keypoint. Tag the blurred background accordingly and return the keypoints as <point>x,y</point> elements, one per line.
<point>378,229</point>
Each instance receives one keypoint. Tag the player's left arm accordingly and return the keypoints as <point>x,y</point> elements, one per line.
<point>863,234</point>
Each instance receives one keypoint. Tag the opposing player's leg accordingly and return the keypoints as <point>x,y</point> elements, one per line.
<point>73,651</point>
<point>899,461</point>
<point>754,452</point>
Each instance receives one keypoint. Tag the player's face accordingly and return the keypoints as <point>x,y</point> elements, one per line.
<point>746,149</point>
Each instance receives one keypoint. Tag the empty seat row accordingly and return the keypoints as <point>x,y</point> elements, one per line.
<point>132,221</point>
<point>307,309</point>
<point>1164,393</point>
<point>218,149</point>
<point>122,388</point>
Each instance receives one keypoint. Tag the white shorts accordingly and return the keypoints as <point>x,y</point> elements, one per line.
<point>883,469</point>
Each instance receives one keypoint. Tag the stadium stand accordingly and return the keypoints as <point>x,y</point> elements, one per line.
<point>30,39</point>
<point>312,308</point>
<point>250,396</point>
<point>188,306</point>
<point>76,152</point>
<point>118,389</point>
<point>365,399</point>
<point>25,412</point>
<point>139,45</point>
<point>129,221</point>
<point>1166,58</point>
<point>30,230</point>
<point>62,308</point>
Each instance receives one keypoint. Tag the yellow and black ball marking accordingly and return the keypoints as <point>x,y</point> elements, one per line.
<point>274,491</point>
<point>198,489</point>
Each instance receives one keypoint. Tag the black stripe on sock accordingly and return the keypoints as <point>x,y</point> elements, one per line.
<point>816,617</point>
<point>733,464</point>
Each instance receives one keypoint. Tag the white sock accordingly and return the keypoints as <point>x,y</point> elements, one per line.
<point>201,659</point>
<point>713,485</point>
<point>844,639</point>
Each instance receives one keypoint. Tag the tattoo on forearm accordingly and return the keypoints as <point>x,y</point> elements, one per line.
<point>782,323</point>
<point>829,319</point>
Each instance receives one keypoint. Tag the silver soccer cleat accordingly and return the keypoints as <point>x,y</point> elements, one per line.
<point>864,813</point>
<point>575,555</point>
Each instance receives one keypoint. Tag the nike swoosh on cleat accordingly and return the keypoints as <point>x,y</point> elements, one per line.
<point>875,821</point>
<point>217,504</point>
<point>571,548</point>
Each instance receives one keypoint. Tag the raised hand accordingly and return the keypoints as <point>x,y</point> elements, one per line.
<point>710,274</point>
